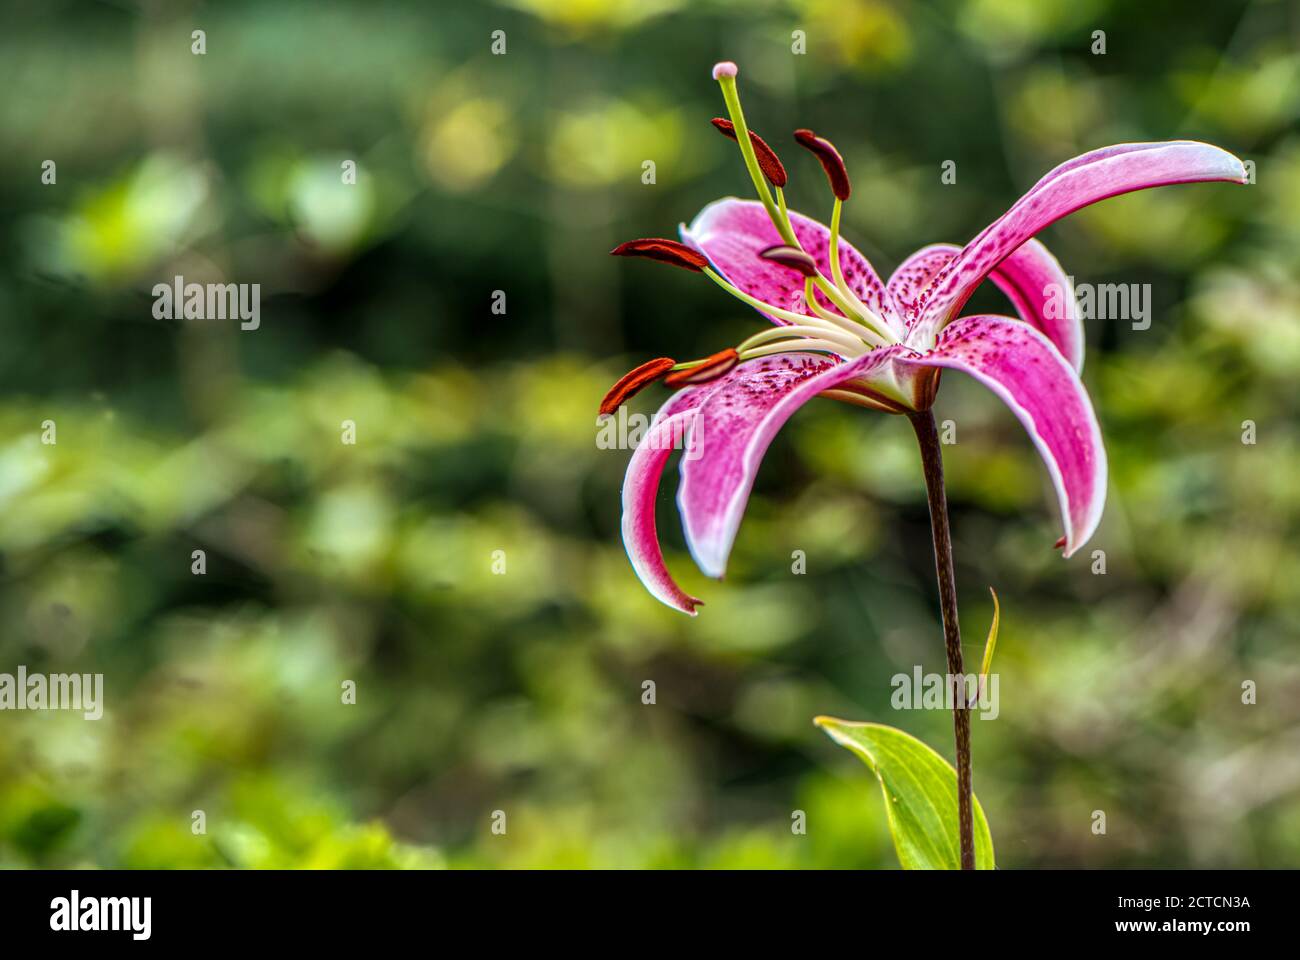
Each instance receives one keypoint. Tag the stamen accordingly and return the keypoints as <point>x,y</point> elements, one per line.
<point>710,368</point>
<point>810,301</point>
<point>831,161</point>
<point>837,323</point>
<point>837,270</point>
<point>794,346</point>
<point>791,257</point>
<point>849,345</point>
<point>633,381</point>
<point>788,316</point>
<point>768,161</point>
<point>665,251</point>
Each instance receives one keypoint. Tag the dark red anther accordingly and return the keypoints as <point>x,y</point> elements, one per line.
<point>713,367</point>
<point>633,381</point>
<point>1059,544</point>
<point>665,251</point>
<point>831,161</point>
<point>768,161</point>
<point>791,257</point>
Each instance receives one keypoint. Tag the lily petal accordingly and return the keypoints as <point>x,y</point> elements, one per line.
<point>1031,278</point>
<point>1043,295</point>
<point>732,233</point>
<point>1040,386</point>
<point>732,430</point>
<point>670,429</point>
<point>909,282</point>
<point>1086,179</point>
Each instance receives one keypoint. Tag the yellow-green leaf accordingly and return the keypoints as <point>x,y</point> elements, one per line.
<point>991,643</point>
<point>920,789</point>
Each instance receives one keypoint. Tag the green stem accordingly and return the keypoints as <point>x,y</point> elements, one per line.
<point>927,436</point>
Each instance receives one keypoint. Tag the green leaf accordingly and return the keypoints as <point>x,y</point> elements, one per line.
<point>991,643</point>
<point>920,789</point>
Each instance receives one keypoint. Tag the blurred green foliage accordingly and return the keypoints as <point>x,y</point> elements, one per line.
<point>521,692</point>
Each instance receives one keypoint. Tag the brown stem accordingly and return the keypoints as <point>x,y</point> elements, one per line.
<point>932,461</point>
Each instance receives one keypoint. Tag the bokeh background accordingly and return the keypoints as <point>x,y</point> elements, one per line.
<point>521,691</point>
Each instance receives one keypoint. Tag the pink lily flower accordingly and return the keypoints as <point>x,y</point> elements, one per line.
<point>842,332</point>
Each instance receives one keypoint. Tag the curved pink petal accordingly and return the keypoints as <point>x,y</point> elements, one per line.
<point>1031,278</point>
<point>1076,183</point>
<point>732,232</point>
<point>732,430</point>
<point>1043,295</point>
<point>669,430</point>
<point>914,276</point>
<point>1029,374</point>
<point>640,491</point>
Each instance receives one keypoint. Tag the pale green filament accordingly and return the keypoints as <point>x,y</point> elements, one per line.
<point>810,298</point>
<point>835,295</point>
<point>849,345</point>
<point>831,320</point>
<point>869,334</point>
<point>773,349</point>
<point>837,271</point>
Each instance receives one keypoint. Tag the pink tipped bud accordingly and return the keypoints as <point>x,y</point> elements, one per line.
<point>713,367</point>
<point>665,251</point>
<point>768,161</point>
<point>791,257</point>
<point>725,69</point>
<point>830,159</point>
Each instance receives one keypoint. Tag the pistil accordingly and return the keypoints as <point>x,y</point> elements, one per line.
<point>777,211</point>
